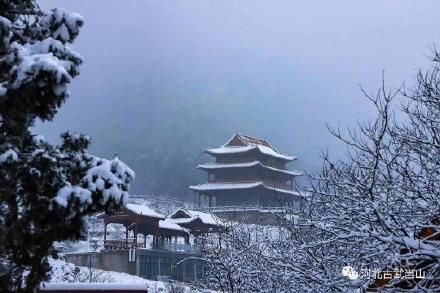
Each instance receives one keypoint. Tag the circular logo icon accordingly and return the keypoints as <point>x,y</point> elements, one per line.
<point>350,272</point>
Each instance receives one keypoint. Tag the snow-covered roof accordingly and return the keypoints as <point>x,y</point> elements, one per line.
<point>224,150</point>
<point>212,166</point>
<point>248,140</point>
<point>243,149</point>
<point>144,210</point>
<point>171,225</point>
<point>283,190</point>
<point>235,186</point>
<point>225,186</point>
<point>232,165</point>
<point>206,218</point>
<point>240,143</point>
<point>271,152</point>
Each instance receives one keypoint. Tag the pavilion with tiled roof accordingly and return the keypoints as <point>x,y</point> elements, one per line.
<point>197,222</point>
<point>141,219</point>
<point>247,171</point>
<point>161,249</point>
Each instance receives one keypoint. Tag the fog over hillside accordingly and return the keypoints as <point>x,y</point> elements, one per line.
<point>163,80</point>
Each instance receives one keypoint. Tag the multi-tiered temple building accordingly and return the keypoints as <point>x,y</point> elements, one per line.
<point>247,172</point>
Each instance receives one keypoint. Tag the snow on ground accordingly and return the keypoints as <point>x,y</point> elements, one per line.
<point>64,272</point>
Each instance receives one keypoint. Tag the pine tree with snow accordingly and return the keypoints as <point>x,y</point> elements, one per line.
<point>45,190</point>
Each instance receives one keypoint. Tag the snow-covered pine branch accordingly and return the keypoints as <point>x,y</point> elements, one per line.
<point>378,208</point>
<point>45,190</point>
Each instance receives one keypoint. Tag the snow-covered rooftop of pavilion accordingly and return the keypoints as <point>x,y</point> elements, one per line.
<point>170,224</point>
<point>144,210</point>
<point>173,221</point>
<point>191,215</point>
<point>248,143</point>
<point>212,166</point>
<point>241,185</point>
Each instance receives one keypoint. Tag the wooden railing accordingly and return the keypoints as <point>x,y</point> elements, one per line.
<point>131,243</point>
<point>172,246</point>
<point>275,209</point>
<point>122,244</point>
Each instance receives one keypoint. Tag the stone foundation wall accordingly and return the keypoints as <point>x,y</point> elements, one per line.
<point>108,260</point>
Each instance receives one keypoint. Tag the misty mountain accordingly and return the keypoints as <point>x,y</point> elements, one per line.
<point>163,80</point>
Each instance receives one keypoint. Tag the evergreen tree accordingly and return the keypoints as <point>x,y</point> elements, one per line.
<point>45,190</point>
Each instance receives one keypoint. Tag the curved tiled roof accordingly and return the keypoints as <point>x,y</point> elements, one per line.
<point>143,210</point>
<point>240,185</point>
<point>214,166</point>
<point>240,143</point>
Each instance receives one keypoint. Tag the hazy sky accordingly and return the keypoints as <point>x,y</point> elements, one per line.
<point>275,69</point>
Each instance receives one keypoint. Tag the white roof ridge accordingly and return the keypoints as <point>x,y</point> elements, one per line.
<point>218,186</point>
<point>231,164</point>
<point>178,209</point>
<point>238,149</point>
<point>258,139</point>
<point>271,146</point>
<point>282,190</point>
<point>212,165</point>
<point>169,224</point>
<point>236,182</point>
<point>205,217</point>
<point>225,185</point>
<point>143,210</point>
<point>251,146</point>
<point>229,140</point>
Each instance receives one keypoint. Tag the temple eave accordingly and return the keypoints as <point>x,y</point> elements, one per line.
<point>265,151</point>
<point>219,187</point>
<point>216,167</point>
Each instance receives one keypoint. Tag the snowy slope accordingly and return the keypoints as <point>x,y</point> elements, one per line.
<point>63,272</point>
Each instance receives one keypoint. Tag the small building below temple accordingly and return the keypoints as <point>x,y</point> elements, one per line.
<point>154,246</point>
<point>248,171</point>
